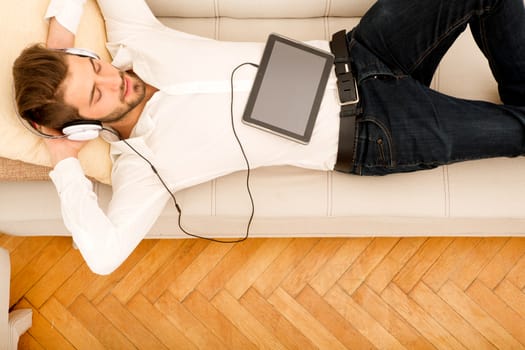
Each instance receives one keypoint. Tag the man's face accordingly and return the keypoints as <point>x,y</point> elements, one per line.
<point>99,90</point>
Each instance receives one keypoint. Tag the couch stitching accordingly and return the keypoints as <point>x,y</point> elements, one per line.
<point>216,8</point>
<point>327,10</point>
<point>213,189</point>
<point>446,191</point>
<point>217,19</point>
<point>328,6</point>
<point>329,194</point>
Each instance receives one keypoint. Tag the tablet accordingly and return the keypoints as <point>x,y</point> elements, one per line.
<point>288,89</point>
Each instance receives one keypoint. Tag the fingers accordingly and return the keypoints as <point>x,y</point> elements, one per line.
<point>60,149</point>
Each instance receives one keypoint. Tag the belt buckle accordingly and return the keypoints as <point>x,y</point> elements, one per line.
<point>354,101</point>
<point>351,102</point>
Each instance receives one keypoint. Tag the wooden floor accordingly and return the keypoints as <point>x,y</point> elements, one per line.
<point>386,293</point>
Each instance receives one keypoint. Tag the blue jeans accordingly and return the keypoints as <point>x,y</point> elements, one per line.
<point>405,125</point>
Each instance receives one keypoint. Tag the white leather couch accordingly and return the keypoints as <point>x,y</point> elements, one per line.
<point>484,197</point>
<point>14,323</point>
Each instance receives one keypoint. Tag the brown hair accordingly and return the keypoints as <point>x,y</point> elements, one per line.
<point>38,75</point>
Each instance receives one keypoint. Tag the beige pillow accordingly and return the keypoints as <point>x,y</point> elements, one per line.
<point>23,24</point>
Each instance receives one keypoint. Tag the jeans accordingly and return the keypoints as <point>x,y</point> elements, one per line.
<point>405,125</point>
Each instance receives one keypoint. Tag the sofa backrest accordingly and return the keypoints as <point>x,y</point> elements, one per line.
<point>463,72</point>
<point>239,20</point>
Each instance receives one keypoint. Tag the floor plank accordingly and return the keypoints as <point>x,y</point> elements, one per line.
<point>311,293</point>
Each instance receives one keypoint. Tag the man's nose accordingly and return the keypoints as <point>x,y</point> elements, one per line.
<point>113,82</point>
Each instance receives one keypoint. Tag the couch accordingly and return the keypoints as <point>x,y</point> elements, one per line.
<point>14,323</point>
<point>478,198</point>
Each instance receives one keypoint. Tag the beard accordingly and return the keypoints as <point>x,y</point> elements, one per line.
<point>137,87</point>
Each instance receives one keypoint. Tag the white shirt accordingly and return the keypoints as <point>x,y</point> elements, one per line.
<point>185,128</point>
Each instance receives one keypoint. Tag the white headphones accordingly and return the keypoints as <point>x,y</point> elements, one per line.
<point>82,130</point>
<point>79,52</point>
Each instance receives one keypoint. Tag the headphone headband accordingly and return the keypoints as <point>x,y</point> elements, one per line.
<point>79,52</point>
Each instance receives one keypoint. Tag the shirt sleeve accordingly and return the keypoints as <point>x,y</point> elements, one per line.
<point>123,17</point>
<point>67,12</point>
<point>105,241</point>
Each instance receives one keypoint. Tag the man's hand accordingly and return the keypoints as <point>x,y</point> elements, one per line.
<point>60,149</point>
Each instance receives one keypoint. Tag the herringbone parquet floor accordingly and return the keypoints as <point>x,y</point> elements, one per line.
<point>386,293</point>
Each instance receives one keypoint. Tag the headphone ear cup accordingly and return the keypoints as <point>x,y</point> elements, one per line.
<point>83,130</point>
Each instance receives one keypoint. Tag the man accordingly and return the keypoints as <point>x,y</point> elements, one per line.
<point>169,98</point>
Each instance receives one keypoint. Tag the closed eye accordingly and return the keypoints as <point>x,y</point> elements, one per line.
<point>94,90</point>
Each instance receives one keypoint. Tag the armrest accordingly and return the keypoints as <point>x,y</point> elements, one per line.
<point>13,324</point>
<point>5,274</point>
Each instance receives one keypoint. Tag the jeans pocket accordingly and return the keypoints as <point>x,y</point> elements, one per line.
<point>376,144</point>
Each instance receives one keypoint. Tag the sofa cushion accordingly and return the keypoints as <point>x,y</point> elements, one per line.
<point>24,25</point>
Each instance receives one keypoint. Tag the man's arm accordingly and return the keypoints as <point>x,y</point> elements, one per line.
<point>124,17</point>
<point>106,240</point>
<point>64,17</point>
<point>58,37</point>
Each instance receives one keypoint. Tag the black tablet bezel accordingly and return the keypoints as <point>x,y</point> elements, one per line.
<point>329,61</point>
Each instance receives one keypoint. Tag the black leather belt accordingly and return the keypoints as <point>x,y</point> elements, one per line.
<point>348,99</point>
